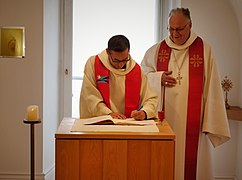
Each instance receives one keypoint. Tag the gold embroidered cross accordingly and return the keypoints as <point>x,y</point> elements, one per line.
<point>196,60</point>
<point>163,56</point>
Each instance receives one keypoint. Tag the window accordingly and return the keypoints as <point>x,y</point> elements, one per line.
<point>94,22</point>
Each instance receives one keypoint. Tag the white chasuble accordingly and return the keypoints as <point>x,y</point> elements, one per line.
<point>214,126</point>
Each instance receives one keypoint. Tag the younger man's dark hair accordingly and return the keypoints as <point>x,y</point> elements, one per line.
<point>118,43</point>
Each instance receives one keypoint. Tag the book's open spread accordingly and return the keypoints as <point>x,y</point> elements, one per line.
<point>108,120</point>
<point>107,123</point>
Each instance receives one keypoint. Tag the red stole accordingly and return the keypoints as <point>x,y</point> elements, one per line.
<point>196,75</point>
<point>132,86</point>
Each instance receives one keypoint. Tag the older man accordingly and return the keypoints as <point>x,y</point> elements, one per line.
<point>184,73</point>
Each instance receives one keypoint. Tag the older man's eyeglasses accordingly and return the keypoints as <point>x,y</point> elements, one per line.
<point>120,61</point>
<point>177,29</point>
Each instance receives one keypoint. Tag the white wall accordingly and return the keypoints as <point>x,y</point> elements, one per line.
<point>239,154</point>
<point>31,80</point>
<point>51,88</point>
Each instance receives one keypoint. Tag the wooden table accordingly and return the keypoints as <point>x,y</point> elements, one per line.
<point>114,155</point>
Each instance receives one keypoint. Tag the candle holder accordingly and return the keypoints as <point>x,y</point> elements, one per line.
<point>32,144</point>
<point>227,86</point>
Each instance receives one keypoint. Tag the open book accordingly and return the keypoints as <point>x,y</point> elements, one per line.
<point>108,120</point>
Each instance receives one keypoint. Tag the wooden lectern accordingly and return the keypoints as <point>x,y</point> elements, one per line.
<point>114,155</point>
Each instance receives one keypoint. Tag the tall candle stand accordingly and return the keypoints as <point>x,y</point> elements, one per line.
<point>32,145</point>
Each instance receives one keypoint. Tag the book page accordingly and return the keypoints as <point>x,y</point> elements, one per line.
<point>132,121</point>
<point>96,119</point>
<point>108,120</point>
<point>149,126</point>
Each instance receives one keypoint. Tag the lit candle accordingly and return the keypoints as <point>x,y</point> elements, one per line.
<point>33,113</point>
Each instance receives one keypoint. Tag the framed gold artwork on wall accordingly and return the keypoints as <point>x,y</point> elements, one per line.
<point>12,42</point>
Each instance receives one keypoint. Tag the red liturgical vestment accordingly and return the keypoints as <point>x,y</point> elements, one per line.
<point>132,86</point>
<point>196,74</point>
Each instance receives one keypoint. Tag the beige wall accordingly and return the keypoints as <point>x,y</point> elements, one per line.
<point>21,84</point>
<point>32,80</point>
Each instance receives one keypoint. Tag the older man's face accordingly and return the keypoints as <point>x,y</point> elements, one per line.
<point>179,28</point>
